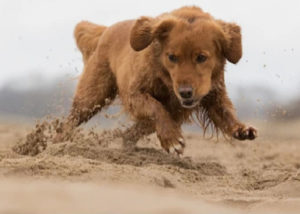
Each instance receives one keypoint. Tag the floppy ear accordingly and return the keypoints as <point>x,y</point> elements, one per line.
<point>232,43</point>
<point>141,34</point>
<point>146,29</point>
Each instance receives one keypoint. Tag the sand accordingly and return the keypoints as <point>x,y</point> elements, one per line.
<point>94,173</point>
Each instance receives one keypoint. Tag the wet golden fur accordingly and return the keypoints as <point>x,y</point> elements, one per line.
<point>132,59</point>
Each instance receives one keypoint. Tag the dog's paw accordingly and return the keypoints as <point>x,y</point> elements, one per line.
<point>245,133</point>
<point>173,146</point>
<point>169,135</point>
<point>172,143</point>
<point>177,147</point>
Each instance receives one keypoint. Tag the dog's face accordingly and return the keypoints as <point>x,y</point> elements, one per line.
<point>190,52</point>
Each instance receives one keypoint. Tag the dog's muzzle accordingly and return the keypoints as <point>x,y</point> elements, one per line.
<point>186,96</point>
<point>189,103</point>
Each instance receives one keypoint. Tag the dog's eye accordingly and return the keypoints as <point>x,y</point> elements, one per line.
<point>173,58</point>
<point>201,58</point>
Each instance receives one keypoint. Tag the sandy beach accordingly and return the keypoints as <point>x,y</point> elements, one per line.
<point>97,175</point>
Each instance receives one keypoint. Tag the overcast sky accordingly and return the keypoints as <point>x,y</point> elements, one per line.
<point>36,37</point>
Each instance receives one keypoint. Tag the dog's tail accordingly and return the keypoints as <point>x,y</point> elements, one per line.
<point>87,35</point>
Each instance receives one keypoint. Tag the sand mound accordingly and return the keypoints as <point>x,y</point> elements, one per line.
<point>135,157</point>
<point>108,147</point>
<point>44,133</point>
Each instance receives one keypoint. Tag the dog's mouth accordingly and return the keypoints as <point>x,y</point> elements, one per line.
<point>189,103</point>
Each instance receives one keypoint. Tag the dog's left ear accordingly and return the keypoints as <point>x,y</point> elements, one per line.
<point>232,42</point>
<point>146,29</point>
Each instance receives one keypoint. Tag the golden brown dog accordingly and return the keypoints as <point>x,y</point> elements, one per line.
<point>165,69</point>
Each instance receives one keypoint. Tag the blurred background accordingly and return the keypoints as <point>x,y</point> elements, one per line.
<point>40,63</point>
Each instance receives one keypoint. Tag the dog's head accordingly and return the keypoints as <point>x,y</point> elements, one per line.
<point>191,51</point>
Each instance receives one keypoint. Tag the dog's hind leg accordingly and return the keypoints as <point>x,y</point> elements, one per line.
<point>96,88</point>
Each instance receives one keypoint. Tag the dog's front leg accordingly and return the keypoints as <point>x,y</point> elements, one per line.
<point>221,111</point>
<point>143,106</point>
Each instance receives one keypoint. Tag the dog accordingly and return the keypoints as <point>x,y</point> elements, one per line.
<point>166,70</point>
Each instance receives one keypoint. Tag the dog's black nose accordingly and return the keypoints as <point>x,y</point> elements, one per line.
<point>186,92</point>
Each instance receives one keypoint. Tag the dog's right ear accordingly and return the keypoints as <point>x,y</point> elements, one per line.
<point>141,34</point>
<point>146,29</point>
